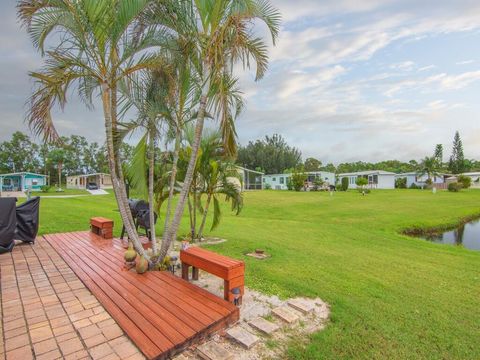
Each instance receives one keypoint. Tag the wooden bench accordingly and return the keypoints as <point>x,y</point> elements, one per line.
<point>102,227</point>
<point>230,270</point>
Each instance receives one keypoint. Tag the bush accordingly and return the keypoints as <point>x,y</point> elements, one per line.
<point>298,180</point>
<point>414,186</point>
<point>361,181</point>
<point>317,184</point>
<point>401,183</point>
<point>45,188</point>
<point>465,181</point>
<point>289,184</point>
<point>364,191</point>
<point>267,187</point>
<point>344,185</point>
<point>454,187</point>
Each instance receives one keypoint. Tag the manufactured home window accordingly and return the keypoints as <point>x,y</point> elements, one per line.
<point>34,181</point>
<point>282,180</point>
<point>274,179</point>
<point>263,179</point>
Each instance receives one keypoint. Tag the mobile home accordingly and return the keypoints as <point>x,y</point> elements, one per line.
<point>377,179</point>
<point>22,181</point>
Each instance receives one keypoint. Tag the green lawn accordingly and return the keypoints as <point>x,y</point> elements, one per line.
<point>52,192</point>
<point>391,296</point>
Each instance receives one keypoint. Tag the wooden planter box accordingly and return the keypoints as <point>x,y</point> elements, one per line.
<point>102,227</point>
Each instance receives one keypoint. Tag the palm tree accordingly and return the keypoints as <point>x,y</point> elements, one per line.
<point>96,48</point>
<point>217,176</point>
<point>219,34</point>
<point>58,157</point>
<point>428,166</point>
<point>147,93</point>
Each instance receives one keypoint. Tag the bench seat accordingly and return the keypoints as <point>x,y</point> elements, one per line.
<point>232,271</point>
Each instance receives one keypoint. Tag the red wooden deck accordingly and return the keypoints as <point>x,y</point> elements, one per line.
<point>161,313</point>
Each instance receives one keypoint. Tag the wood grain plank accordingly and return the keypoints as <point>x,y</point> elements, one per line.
<point>161,313</point>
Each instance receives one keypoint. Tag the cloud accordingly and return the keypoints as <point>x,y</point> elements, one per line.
<point>348,80</point>
<point>465,62</point>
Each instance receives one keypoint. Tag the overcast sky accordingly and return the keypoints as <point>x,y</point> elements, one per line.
<point>348,80</point>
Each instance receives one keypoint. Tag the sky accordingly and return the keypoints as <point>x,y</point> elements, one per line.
<point>348,80</point>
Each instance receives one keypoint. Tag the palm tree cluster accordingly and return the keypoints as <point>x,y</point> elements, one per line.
<point>172,62</point>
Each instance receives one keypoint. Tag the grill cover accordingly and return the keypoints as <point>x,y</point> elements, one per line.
<point>27,220</point>
<point>8,223</point>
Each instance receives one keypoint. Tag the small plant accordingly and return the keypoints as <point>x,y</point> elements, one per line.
<point>364,191</point>
<point>401,183</point>
<point>289,184</point>
<point>45,188</point>
<point>454,187</point>
<point>317,184</point>
<point>164,265</point>
<point>344,184</point>
<point>465,181</point>
<point>298,179</point>
<point>414,186</point>
<point>267,187</point>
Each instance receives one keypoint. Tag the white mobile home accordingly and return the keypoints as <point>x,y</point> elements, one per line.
<point>103,181</point>
<point>377,179</point>
<point>280,181</point>
<point>420,180</point>
<point>475,176</point>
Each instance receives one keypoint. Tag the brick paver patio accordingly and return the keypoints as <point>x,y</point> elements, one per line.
<point>48,313</point>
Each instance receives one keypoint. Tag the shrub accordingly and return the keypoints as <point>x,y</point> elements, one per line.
<point>364,191</point>
<point>414,186</point>
<point>454,187</point>
<point>344,185</point>
<point>465,181</point>
<point>268,186</point>
<point>289,184</point>
<point>361,181</point>
<point>401,183</point>
<point>298,180</point>
<point>317,184</point>
<point>45,188</point>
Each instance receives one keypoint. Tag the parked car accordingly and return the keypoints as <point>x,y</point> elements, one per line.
<point>92,186</point>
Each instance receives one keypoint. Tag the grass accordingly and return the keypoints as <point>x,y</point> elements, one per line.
<point>391,296</point>
<point>53,192</point>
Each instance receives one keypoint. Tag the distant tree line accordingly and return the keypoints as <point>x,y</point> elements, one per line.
<point>272,155</point>
<point>72,155</point>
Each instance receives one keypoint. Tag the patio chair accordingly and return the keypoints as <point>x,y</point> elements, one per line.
<point>8,223</point>
<point>27,220</point>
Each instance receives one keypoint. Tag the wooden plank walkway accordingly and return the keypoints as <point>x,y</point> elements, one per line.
<point>160,312</point>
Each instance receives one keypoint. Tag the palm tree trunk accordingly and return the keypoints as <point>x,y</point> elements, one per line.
<point>194,191</point>
<point>59,168</point>
<point>173,229</point>
<point>204,219</point>
<point>117,181</point>
<point>151,170</point>
<point>173,178</point>
<point>190,214</point>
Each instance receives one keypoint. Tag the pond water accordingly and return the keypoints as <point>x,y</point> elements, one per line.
<point>467,235</point>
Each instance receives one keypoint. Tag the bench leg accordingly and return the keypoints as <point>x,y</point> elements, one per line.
<point>194,273</point>
<point>185,271</point>
<point>226,290</point>
<point>229,285</point>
